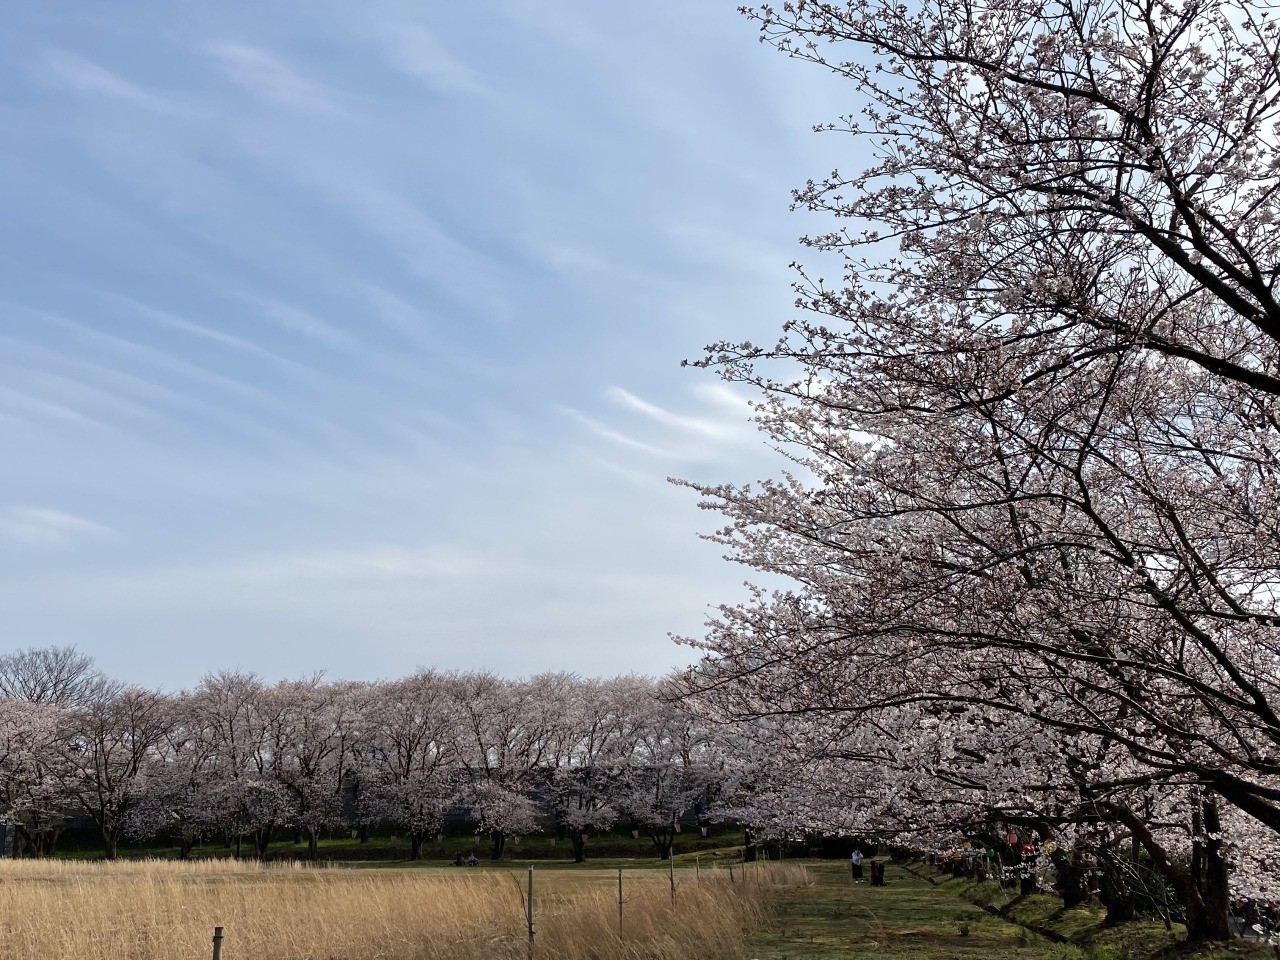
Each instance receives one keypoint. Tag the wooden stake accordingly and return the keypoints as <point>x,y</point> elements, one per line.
<point>697,868</point>
<point>619,902</point>
<point>217,943</point>
<point>671,872</point>
<point>529,917</point>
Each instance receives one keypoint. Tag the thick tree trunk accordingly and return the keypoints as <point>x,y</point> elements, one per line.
<point>1207,913</point>
<point>579,847</point>
<point>262,840</point>
<point>415,844</point>
<point>313,843</point>
<point>663,839</point>
<point>1072,879</point>
<point>1116,896</point>
<point>1202,888</point>
<point>499,838</point>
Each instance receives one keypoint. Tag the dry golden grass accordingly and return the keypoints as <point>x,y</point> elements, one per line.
<point>166,910</point>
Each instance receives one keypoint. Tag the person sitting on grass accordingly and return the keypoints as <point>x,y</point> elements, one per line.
<point>472,861</point>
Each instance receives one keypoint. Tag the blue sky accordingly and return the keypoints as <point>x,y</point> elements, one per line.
<point>348,336</point>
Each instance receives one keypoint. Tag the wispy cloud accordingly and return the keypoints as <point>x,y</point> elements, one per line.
<point>42,527</point>
<point>364,259</point>
<point>171,321</point>
<point>300,321</point>
<point>30,407</point>
<point>723,430</point>
<point>414,50</point>
<point>615,436</point>
<point>269,78</point>
<point>426,248</point>
<point>394,311</point>
<point>72,72</point>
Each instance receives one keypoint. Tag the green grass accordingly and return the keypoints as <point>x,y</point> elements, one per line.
<point>907,919</point>
<point>386,847</point>
<point>912,919</point>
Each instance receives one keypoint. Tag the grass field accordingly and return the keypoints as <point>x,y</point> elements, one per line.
<point>913,919</point>
<point>166,910</point>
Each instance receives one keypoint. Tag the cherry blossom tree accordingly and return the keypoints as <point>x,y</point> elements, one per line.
<point>109,742</point>
<point>1032,431</point>
<point>37,686</point>
<point>30,751</point>
<point>323,733</point>
<point>247,726</point>
<point>504,740</point>
<point>592,748</point>
<point>180,789</point>
<point>674,768</point>
<point>413,743</point>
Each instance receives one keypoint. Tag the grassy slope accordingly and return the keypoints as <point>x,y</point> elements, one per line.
<point>911,919</point>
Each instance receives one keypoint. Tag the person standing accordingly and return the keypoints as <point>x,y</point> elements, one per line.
<point>855,864</point>
<point>877,873</point>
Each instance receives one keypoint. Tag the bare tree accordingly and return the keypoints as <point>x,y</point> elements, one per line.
<point>61,676</point>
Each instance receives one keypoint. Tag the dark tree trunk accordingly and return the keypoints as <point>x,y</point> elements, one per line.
<point>1073,884</point>
<point>262,840</point>
<point>1207,913</point>
<point>1116,896</point>
<point>313,844</point>
<point>579,847</point>
<point>415,844</point>
<point>663,839</point>
<point>499,838</point>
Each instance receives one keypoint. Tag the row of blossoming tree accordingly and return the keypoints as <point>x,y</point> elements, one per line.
<point>239,759</point>
<point>1031,517</point>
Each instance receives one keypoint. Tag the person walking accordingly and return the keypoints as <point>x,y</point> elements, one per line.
<point>855,864</point>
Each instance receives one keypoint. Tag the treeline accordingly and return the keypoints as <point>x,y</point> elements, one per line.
<point>243,760</point>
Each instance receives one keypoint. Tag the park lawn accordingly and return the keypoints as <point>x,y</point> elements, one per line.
<point>913,919</point>
<point>384,847</point>
<point>907,919</point>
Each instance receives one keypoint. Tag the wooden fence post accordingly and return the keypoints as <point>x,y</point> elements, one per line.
<point>217,943</point>
<point>671,872</point>
<point>530,913</point>
<point>697,868</point>
<point>619,902</point>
